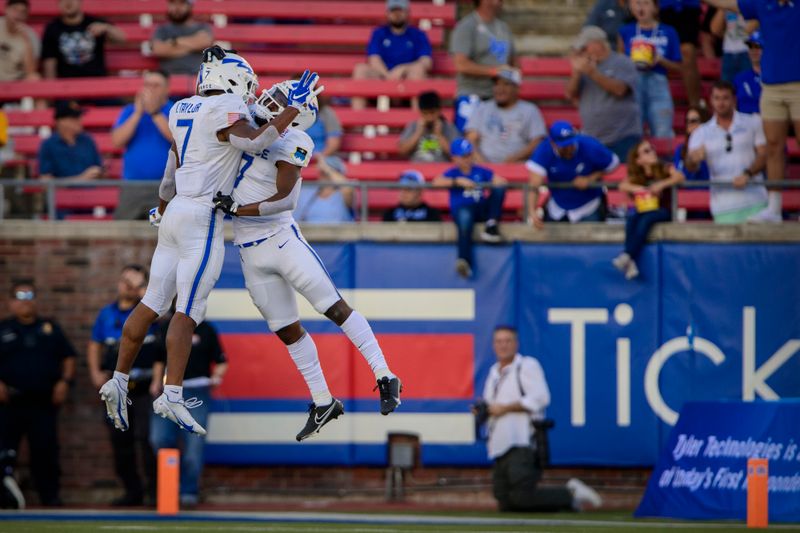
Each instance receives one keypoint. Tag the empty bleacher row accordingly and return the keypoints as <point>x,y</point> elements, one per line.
<point>331,40</point>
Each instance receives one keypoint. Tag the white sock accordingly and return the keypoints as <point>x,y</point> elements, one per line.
<point>122,379</point>
<point>360,334</point>
<point>174,393</point>
<point>305,357</point>
<point>774,201</point>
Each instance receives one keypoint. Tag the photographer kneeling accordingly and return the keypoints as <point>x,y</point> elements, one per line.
<point>514,400</point>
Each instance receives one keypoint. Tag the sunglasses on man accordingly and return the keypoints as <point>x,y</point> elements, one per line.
<point>24,295</point>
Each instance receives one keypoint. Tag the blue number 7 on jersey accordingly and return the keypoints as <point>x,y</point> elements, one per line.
<point>185,123</point>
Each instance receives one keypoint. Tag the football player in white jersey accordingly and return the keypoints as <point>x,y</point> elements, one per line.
<point>277,260</point>
<point>210,131</point>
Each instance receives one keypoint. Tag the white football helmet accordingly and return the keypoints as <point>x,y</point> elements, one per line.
<point>273,101</point>
<point>231,74</point>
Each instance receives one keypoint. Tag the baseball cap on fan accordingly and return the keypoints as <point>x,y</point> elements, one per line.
<point>460,147</point>
<point>511,75</point>
<point>411,177</point>
<point>562,133</point>
<point>587,35</point>
<point>397,4</point>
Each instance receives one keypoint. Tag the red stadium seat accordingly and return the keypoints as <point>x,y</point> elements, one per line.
<point>374,12</point>
<point>301,34</point>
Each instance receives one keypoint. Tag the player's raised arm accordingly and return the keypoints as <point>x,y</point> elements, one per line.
<point>254,140</point>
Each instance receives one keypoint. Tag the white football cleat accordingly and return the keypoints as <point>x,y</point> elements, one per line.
<point>178,412</point>
<point>117,402</point>
<point>583,495</point>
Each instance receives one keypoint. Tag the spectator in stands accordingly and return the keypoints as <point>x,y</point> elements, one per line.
<point>694,118</point>
<point>74,43</point>
<point>505,129</point>
<point>142,129</point>
<point>481,45</point>
<point>326,204</point>
<point>748,83</point>
<point>604,83</point>
<point>396,51</point>
<point>37,369</point>
<point>780,97</point>
<point>131,449</point>
<point>411,207</point>
<point>571,158</point>
<point>609,15</point>
<point>649,182</point>
<point>515,397</point>
<point>684,16</point>
<point>18,43</point>
<point>654,48</point>
<point>427,139</point>
<point>733,30</point>
<point>470,204</point>
<point>70,152</point>
<point>179,43</point>
<point>734,147</point>
<point>326,132</point>
<point>205,370</point>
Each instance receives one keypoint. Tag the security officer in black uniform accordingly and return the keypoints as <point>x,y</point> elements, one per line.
<point>37,368</point>
<point>102,359</point>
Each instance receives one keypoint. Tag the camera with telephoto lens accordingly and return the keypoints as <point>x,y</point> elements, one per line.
<point>542,442</point>
<point>481,409</point>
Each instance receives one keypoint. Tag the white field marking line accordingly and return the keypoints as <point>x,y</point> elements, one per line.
<point>286,528</point>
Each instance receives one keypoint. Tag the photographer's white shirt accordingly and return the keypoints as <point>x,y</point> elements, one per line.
<point>520,382</point>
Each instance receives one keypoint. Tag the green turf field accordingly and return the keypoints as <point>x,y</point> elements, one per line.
<point>561,523</point>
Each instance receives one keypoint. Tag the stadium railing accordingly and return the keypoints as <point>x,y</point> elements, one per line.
<point>99,197</point>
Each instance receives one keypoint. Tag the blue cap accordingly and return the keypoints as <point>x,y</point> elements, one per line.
<point>412,176</point>
<point>755,38</point>
<point>460,147</point>
<point>562,133</point>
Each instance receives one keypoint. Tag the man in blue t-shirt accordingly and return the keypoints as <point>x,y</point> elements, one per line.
<point>396,51</point>
<point>569,158</point>
<point>132,447</point>
<point>142,129</point>
<point>778,21</point>
<point>469,203</point>
<point>748,83</point>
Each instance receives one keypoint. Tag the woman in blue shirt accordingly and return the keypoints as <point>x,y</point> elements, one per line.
<point>654,48</point>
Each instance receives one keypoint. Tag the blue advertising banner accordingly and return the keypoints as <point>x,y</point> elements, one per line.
<point>702,471</point>
<point>702,322</point>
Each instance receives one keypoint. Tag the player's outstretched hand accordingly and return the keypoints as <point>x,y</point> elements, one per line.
<point>213,52</point>
<point>304,90</point>
<point>226,204</point>
<point>155,217</point>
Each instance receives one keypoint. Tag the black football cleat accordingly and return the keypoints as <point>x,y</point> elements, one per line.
<point>389,390</point>
<point>319,416</point>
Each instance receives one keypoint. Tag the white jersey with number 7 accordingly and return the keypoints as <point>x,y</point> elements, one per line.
<point>206,164</point>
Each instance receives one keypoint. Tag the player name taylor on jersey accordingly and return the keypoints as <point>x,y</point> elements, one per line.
<point>257,181</point>
<point>207,165</point>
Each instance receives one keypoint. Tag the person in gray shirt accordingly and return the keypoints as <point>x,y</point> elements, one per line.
<point>481,45</point>
<point>506,129</point>
<point>604,84</point>
<point>609,15</point>
<point>179,43</point>
<point>427,139</point>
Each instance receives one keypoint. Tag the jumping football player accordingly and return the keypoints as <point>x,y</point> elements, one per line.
<point>210,132</point>
<point>277,260</point>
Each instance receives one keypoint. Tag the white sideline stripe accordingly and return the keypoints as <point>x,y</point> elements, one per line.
<point>358,428</point>
<point>375,304</point>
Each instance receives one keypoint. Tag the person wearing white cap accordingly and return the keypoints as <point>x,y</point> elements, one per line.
<point>396,50</point>
<point>604,85</point>
<point>506,129</point>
